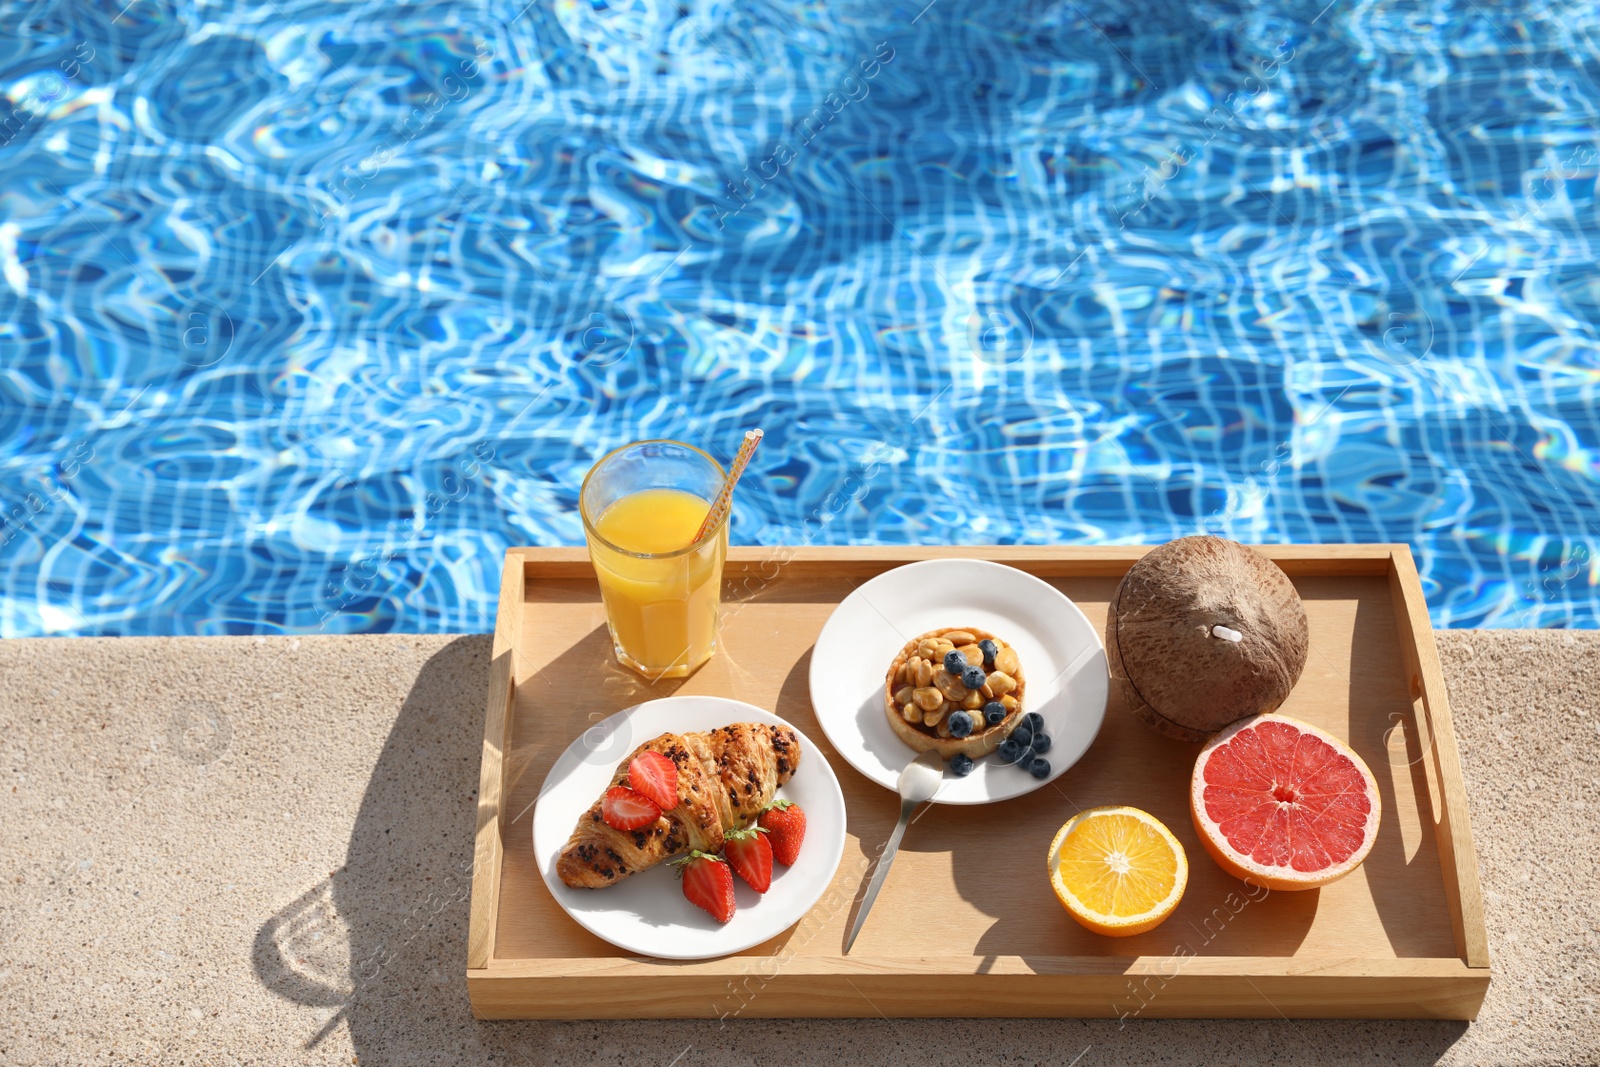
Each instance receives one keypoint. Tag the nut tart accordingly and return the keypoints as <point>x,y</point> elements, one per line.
<point>942,691</point>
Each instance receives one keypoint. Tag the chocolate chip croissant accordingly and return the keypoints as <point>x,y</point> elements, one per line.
<point>725,778</point>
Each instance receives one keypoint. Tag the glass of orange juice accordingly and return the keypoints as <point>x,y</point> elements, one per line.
<point>642,506</point>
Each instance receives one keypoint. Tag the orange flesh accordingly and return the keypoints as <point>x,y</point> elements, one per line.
<point>1117,865</point>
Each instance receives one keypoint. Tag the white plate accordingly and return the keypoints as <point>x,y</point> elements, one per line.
<point>1063,662</point>
<point>647,913</point>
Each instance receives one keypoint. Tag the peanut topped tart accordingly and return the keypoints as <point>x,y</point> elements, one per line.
<point>956,691</point>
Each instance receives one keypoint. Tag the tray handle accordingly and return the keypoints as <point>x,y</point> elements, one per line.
<point>1452,827</point>
<point>488,852</point>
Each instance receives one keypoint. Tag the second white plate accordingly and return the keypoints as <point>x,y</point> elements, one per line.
<point>1062,657</point>
<point>647,914</point>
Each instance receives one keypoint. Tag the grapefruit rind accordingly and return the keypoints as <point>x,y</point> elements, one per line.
<point>1279,877</point>
<point>1099,921</point>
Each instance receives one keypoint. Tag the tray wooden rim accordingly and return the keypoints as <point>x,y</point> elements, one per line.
<point>1468,972</point>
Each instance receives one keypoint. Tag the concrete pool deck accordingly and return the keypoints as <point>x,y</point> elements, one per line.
<point>281,877</point>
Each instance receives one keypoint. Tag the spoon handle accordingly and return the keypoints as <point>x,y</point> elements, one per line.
<point>881,872</point>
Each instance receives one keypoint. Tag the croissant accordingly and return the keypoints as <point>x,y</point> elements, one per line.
<point>725,778</point>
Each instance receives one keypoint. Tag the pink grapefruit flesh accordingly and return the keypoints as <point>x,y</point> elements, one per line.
<point>1280,803</point>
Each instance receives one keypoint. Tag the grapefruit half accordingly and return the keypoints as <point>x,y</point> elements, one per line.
<point>1280,803</point>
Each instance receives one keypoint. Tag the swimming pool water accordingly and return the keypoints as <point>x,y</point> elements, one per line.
<point>309,309</point>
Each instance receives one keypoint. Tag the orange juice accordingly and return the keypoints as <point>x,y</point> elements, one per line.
<point>661,601</point>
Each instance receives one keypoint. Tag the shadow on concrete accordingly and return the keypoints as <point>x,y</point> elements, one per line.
<point>383,939</point>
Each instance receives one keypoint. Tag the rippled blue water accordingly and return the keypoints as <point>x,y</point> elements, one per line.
<point>311,309</point>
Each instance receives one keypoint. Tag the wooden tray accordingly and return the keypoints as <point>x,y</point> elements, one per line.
<point>967,924</point>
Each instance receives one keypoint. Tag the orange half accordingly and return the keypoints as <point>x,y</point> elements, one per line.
<point>1118,870</point>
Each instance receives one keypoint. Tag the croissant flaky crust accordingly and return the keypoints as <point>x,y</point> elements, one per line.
<point>725,778</point>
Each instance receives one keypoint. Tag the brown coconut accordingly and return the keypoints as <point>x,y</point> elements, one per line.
<point>1172,672</point>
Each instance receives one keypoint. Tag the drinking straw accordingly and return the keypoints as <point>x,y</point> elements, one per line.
<point>724,501</point>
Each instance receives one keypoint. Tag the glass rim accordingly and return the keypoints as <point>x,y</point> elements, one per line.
<point>595,535</point>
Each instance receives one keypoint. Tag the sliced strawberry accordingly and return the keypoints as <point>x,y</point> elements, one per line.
<point>785,825</point>
<point>623,809</point>
<point>750,856</point>
<point>656,777</point>
<point>708,884</point>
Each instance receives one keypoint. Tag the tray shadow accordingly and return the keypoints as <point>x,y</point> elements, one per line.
<point>384,934</point>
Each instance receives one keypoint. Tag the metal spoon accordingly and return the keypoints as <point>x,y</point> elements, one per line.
<point>918,783</point>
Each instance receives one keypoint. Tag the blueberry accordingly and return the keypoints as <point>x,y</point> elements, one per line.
<point>990,650</point>
<point>1022,735</point>
<point>1039,767</point>
<point>1034,720</point>
<point>960,724</point>
<point>994,713</point>
<point>961,765</point>
<point>972,677</point>
<point>955,662</point>
<point>1010,751</point>
<point>1041,743</point>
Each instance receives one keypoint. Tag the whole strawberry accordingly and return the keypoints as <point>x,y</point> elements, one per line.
<point>708,884</point>
<point>785,825</point>
<point>750,856</point>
